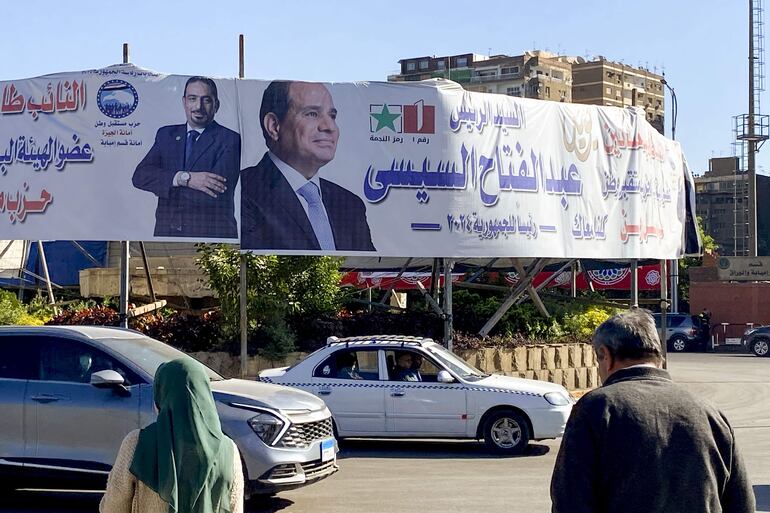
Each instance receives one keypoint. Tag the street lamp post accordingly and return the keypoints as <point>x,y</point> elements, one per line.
<point>673,265</point>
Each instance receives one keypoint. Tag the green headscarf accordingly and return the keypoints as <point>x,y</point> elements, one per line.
<point>183,455</point>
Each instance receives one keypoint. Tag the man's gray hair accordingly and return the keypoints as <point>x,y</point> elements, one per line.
<point>630,335</point>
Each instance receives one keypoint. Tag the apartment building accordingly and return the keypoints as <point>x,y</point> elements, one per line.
<point>546,76</point>
<point>603,82</point>
<point>721,199</point>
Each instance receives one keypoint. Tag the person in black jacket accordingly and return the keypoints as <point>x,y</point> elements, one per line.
<point>285,205</point>
<point>641,443</point>
<point>192,168</point>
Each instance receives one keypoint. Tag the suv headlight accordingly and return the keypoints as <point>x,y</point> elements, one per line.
<point>749,332</point>
<point>557,398</point>
<point>267,426</point>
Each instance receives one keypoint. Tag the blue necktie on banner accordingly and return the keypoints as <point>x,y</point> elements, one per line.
<point>317,215</point>
<point>189,144</point>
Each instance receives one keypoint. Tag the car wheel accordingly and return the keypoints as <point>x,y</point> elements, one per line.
<point>678,344</point>
<point>506,432</point>
<point>760,347</point>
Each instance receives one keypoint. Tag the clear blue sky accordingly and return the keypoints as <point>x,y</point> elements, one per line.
<point>701,44</point>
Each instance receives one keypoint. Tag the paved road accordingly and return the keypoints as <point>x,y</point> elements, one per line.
<point>385,476</point>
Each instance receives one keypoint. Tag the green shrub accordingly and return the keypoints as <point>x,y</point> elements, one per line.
<point>585,322</point>
<point>13,312</point>
<point>278,289</point>
<point>568,318</point>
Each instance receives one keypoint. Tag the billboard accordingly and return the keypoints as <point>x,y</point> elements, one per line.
<point>380,169</point>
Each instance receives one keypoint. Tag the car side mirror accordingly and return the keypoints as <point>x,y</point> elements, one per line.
<point>107,378</point>
<point>444,377</point>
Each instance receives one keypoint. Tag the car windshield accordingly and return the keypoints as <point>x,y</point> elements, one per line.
<point>455,363</point>
<point>148,353</point>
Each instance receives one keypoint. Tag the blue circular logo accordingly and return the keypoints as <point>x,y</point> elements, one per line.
<point>117,98</point>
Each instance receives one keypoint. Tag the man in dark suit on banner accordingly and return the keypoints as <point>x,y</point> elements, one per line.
<point>192,169</point>
<point>284,204</point>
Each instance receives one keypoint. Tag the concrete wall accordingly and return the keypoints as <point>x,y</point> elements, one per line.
<point>571,365</point>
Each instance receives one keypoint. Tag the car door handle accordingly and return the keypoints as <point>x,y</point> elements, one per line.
<point>46,398</point>
<point>324,391</point>
<point>397,393</point>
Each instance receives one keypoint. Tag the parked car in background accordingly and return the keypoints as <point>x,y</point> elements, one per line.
<point>373,392</point>
<point>684,332</point>
<point>69,394</point>
<point>757,340</point>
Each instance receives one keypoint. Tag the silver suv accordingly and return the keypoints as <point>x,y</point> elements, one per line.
<point>69,394</point>
<point>684,332</point>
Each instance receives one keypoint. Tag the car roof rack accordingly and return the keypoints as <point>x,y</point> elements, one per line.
<point>404,340</point>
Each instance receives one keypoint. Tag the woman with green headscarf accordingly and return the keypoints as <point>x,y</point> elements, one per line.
<point>181,463</point>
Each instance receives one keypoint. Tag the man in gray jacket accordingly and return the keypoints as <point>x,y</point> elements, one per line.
<point>641,443</point>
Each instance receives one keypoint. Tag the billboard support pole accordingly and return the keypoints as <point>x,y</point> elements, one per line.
<point>434,277</point>
<point>448,265</point>
<point>573,279</point>
<point>546,282</point>
<point>24,257</point>
<point>389,292</point>
<point>243,316</point>
<point>48,286</point>
<point>663,310</point>
<point>125,282</point>
<point>125,253</point>
<point>517,290</point>
<point>150,287</point>
<point>531,292</point>
<point>634,284</point>
<point>244,296</point>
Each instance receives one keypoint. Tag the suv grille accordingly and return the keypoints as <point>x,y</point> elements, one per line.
<point>311,469</point>
<point>301,436</point>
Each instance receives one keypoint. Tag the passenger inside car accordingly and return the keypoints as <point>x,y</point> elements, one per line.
<point>404,370</point>
<point>347,366</point>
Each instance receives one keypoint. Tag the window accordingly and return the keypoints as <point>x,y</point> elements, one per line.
<point>512,70</point>
<point>72,361</point>
<point>609,90</point>
<point>406,365</point>
<point>424,64</point>
<point>440,64</point>
<point>513,91</point>
<point>17,358</point>
<point>548,91</point>
<point>347,364</point>
<point>410,66</point>
<point>462,62</point>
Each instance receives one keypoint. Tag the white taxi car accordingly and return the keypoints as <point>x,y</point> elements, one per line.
<point>409,387</point>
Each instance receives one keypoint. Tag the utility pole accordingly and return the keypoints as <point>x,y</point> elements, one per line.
<point>752,143</point>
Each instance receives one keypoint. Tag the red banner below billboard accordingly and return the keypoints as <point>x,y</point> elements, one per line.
<point>601,279</point>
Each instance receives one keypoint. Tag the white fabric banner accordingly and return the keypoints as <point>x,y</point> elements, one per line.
<point>378,169</point>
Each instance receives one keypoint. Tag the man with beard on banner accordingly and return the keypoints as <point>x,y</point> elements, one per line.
<point>284,204</point>
<point>192,169</point>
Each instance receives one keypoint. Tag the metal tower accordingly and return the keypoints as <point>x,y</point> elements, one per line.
<point>751,131</point>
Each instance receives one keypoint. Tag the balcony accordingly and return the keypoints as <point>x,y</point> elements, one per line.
<point>495,78</point>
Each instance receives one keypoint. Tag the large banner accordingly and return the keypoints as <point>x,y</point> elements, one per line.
<point>393,170</point>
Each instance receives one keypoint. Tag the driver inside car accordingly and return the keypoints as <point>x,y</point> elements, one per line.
<point>404,369</point>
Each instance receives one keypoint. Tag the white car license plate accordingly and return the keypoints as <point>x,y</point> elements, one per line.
<point>327,449</point>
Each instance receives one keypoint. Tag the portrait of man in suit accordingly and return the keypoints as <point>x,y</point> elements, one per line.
<point>284,203</point>
<point>193,168</point>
